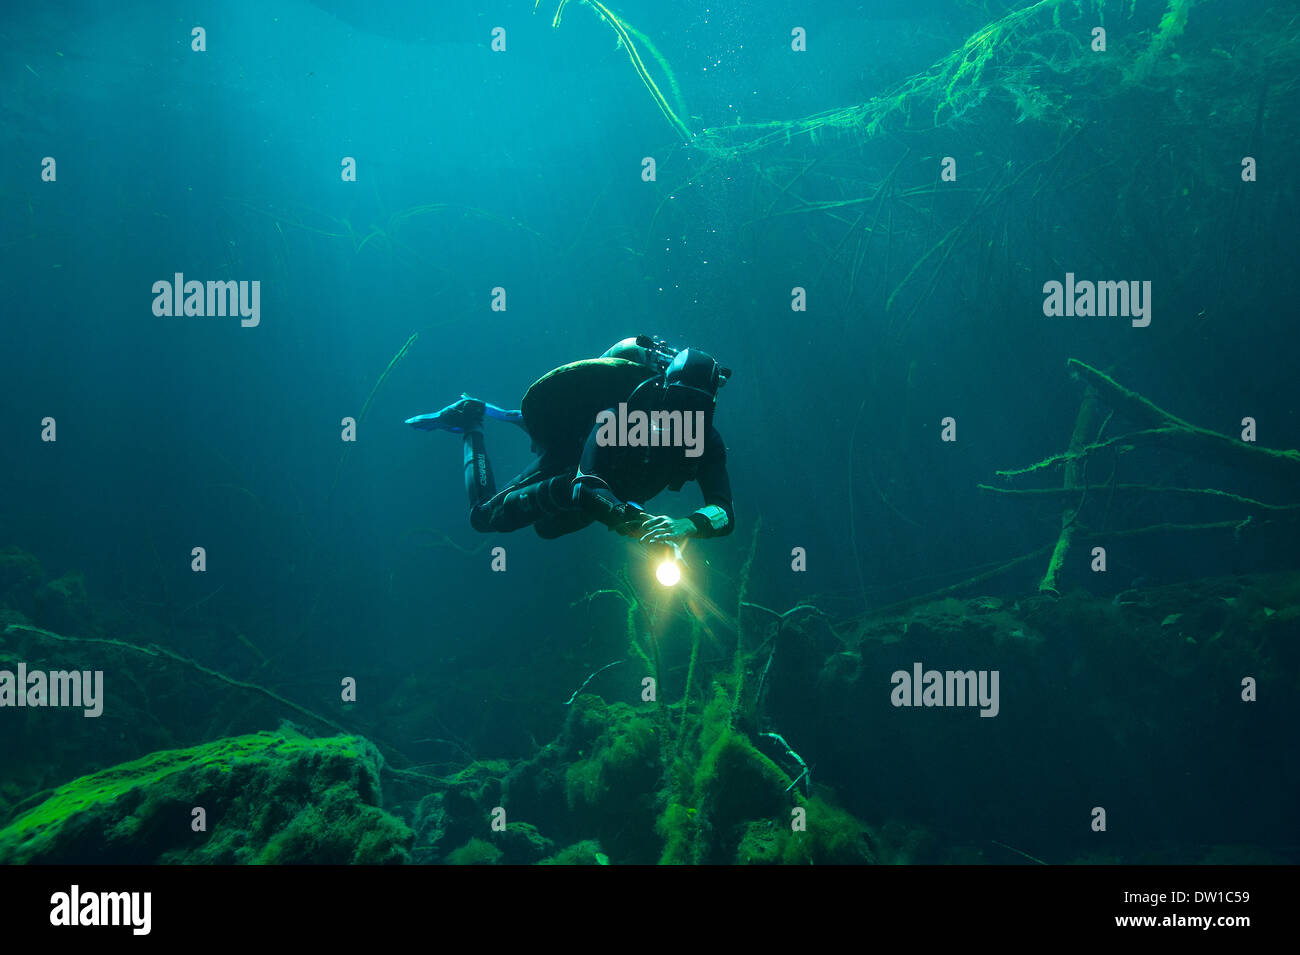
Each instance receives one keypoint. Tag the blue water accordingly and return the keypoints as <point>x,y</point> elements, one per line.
<point>522,169</point>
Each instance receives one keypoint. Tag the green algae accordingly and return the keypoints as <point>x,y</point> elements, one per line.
<point>267,797</point>
<point>587,852</point>
<point>475,852</point>
<point>624,764</point>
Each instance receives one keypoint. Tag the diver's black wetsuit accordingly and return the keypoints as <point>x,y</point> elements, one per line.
<point>543,495</point>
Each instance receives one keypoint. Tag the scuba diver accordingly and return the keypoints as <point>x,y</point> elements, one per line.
<point>580,475</point>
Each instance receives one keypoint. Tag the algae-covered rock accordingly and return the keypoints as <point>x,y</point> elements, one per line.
<point>475,852</point>
<point>18,569</point>
<point>736,782</point>
<point>825,835</point>
<point>268,798</point>
<point>612,788</point>
<point>598,780</point>
<point>540,788</point>
<point>457,812</point>
<point>474,790</point>
<point>64,605</point>
<point>622,765</point>
<point>718,787</point>
<point>430,823</point>
<point>760,844</point>
<point>582,853</point>
<point>20,576</point>
<point>523,844</point>
<point>520,843</point>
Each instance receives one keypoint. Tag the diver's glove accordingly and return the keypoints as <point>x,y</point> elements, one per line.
<point>627,519</point>
<point>666,530</point>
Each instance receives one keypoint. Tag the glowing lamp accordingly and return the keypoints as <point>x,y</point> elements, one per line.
<point>669,573</point>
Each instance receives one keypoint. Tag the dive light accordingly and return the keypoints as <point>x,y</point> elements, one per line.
<point>669,571</point>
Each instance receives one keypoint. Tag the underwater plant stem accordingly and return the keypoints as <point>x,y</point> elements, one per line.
<point>441,539</point>
<point>1235,526</point>
<point>365,405</point>
<point>889,248</point>
<point>1140,409</point>
<point>624,32</point>
<point>947,243</point>
<point>1143,489</point>
<point>1252,149</point>
<point>157,651</point>
<point>592,677</point>
<point>587,598</point>
<point>943,243</point>
<point>884,192</point>
<point>200,602</point>
<point>853,517</point>
<point>1075,477</point>
<point>806,775</point>
<point>1191,438</point>
<point>786,188</point>
<point>343,458</point>
<point>802,775</point>
<point>782,619</point>
<point>738,663</point>
<point>401,353</point>
<point>1017,852</point>
<point>1163,428</point>
<point>690,677</point>
<point>997,571</point>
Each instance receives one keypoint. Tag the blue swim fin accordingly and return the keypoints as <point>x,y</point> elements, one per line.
<point>462,415</point>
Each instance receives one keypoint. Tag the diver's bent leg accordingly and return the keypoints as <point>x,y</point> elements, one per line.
<point>479,483</point>
<point>519,506</point>
<point>505,414</point>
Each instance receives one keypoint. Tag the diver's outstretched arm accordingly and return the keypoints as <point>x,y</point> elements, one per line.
<point>717,518</point>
